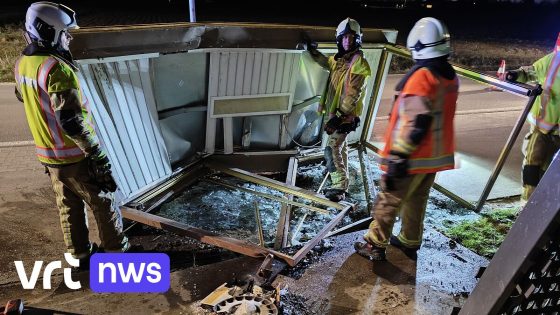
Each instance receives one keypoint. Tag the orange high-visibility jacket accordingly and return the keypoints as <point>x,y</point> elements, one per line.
<point>435,152</point>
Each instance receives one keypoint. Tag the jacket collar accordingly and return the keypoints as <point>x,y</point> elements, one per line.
<point>37,49</point>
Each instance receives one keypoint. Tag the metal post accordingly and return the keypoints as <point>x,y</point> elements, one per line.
<point>283,227</point>
<point>259,223</point>
<point>507,148</point>
<point>192,11</point>
<point>365,177</point>
<point>376,94</point>
<point>268,196</point>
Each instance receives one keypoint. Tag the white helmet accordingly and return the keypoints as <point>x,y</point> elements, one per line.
<point>429,38</point>
<point>45,21</point>
<point>349,25</point>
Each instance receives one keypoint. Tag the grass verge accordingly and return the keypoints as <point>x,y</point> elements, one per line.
<point>485,234</point>
<point>485,56</point>
<point>11,45</point>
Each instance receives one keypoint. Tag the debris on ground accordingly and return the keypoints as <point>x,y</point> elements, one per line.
<point>242,297</point>
<point>313,256</point>
<point>231,212</point>
<point>293,304</point>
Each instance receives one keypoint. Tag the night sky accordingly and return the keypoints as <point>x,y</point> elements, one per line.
<point>537,20</point>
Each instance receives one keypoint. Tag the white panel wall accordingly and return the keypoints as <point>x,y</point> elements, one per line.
<point>237,72</point>
<point>124,110</point>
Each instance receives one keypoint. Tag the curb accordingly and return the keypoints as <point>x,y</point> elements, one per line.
<point>10,144</point>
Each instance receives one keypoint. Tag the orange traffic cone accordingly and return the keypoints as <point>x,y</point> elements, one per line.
<point>501,73</point>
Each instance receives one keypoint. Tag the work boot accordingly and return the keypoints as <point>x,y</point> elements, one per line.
<point>370,251</point>
<point>410,252</point>
<point>84,262</point>
<point>335,195</point>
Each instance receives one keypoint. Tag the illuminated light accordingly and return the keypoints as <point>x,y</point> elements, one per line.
<point>428,6</point>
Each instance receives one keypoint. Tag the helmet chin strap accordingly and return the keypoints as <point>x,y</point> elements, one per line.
<point>28,38</point>
<point>45,47</point>
<point>67,56</point>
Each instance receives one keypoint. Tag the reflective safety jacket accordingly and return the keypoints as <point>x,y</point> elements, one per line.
<point>37,78</point>
<point>435,151</point>
<point>345,90</point>
<point>545,113</point>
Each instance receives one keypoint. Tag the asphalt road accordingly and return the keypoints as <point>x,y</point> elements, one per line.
<point>13,125</point>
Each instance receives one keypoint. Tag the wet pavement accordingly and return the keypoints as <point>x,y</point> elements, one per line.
<point>342,282</point>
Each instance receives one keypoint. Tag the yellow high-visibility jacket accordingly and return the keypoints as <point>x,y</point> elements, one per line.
<point>545,113</point>
<point>40,79</point>
<point>346,87</point>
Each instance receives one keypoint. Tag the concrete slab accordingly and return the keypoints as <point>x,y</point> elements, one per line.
<point>469,179</point>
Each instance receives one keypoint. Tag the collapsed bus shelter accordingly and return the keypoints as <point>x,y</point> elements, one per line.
<point>180,104</point>
<point>175,102</point>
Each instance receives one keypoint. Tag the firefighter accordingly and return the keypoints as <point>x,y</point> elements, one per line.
<point>543,140</point>
<point>419,142</point>
<point>65,141</point>
<point>343,101</point>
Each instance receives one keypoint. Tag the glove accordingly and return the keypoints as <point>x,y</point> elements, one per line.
<point>307,45</point>
<point>397,167</point>
<point>100,170</point>
<point>333,124</point>
<point>512,75</point>
<point>349,124</point>
<point>311,46</point>
<point>397,164</point>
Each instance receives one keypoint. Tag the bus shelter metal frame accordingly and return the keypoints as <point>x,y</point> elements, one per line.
<point>138,210</point>
<point>524,90</point>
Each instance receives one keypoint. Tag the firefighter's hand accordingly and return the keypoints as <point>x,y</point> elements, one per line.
<point>349,123</point>
<point>301,46</point>
<point>308,45</point>
<point>512,75</point>
<point>397,168</point>
<point>100,170</point>
<point>397,165</point>
<point>311,46</point>
<point>333,124</point>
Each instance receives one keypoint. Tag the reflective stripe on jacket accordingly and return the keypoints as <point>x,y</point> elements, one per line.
<point>38,76</point>
<point>345,89</point>
<point>545,113</point>
<point>435,152</point>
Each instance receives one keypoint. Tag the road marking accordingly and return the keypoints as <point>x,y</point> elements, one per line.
<point>16,143</point>
<point>490,110</point>
<point>475,111</point>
